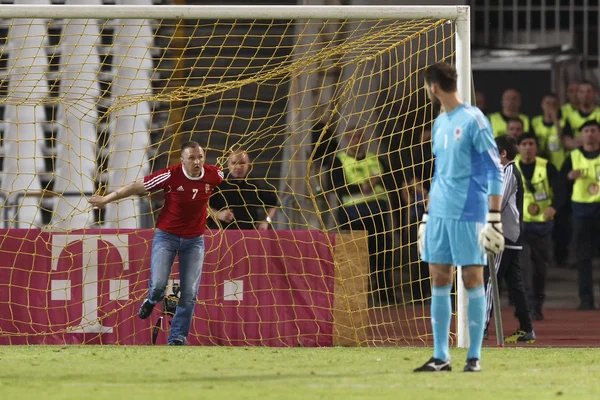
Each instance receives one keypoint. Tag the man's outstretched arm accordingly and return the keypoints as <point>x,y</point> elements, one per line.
<point>133,188</point>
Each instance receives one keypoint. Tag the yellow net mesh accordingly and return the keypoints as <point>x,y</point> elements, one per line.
<point>321,126</point>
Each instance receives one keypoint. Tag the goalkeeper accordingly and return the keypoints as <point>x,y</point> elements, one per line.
<point>463,219</point>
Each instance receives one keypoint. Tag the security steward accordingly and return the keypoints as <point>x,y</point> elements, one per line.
<point>587,110</point>
<point>358,176</point>
<point>548,127</point>
<point>582,172</point>
<point>543,194</point>
<point>511,104</point>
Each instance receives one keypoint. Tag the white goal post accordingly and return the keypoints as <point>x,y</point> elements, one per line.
<point>460,15</point>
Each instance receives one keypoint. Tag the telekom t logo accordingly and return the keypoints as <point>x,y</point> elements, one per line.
<point>61,289</point>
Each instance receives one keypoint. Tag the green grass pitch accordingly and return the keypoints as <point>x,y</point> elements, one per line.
<point>121,372</point>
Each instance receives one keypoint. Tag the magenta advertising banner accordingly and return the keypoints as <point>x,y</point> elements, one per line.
<point>269,288</point>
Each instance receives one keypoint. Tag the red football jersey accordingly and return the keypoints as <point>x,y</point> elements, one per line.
<point>186,198</point>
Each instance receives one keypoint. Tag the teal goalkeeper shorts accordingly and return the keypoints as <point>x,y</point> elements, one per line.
<point>453,242</point>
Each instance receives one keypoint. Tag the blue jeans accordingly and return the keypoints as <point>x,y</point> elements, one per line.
<point>191,256</point>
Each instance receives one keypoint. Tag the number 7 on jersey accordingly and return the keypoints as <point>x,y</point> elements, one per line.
<point>195,191</point>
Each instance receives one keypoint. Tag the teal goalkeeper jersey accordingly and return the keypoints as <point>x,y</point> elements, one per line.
<point>467,165</point>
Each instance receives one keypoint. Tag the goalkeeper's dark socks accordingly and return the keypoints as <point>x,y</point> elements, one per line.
<point>476,317</point>
<point>441,314</point>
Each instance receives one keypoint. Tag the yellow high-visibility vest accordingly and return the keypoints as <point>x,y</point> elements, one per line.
<point>500,126</point>
<point>576,120</point>
<point>358,172</point>
<point>549,141</point>
<point>536,202</point>
<point>565,110</point>
<point>586,188</point>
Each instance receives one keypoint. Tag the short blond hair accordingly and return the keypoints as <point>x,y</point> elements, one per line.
<point>238,152</point>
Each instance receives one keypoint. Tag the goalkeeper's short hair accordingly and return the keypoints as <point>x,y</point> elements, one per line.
<point>443,74</point>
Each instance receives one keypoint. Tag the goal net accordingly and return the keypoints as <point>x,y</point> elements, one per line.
<point>317,117</point>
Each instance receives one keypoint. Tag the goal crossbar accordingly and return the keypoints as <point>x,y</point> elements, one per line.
<point>235,11</point>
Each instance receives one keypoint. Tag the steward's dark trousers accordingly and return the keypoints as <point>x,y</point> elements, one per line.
<point>587,241</point>
<point>507,267</point>
<point>537,267</point>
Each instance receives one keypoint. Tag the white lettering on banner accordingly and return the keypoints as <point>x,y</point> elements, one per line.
<point>61,289</point>
<point>233,290</point>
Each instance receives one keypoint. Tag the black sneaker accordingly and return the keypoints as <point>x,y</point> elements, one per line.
<point>176,343</point>
<point>472,365</point>
<point>521,337</point>
<point>145,309</point>
<point>435,365</point>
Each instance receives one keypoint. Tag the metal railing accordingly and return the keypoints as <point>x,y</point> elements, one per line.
<point>541,22</point>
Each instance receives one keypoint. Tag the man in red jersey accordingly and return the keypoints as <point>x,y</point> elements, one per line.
<point>179,230</point>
